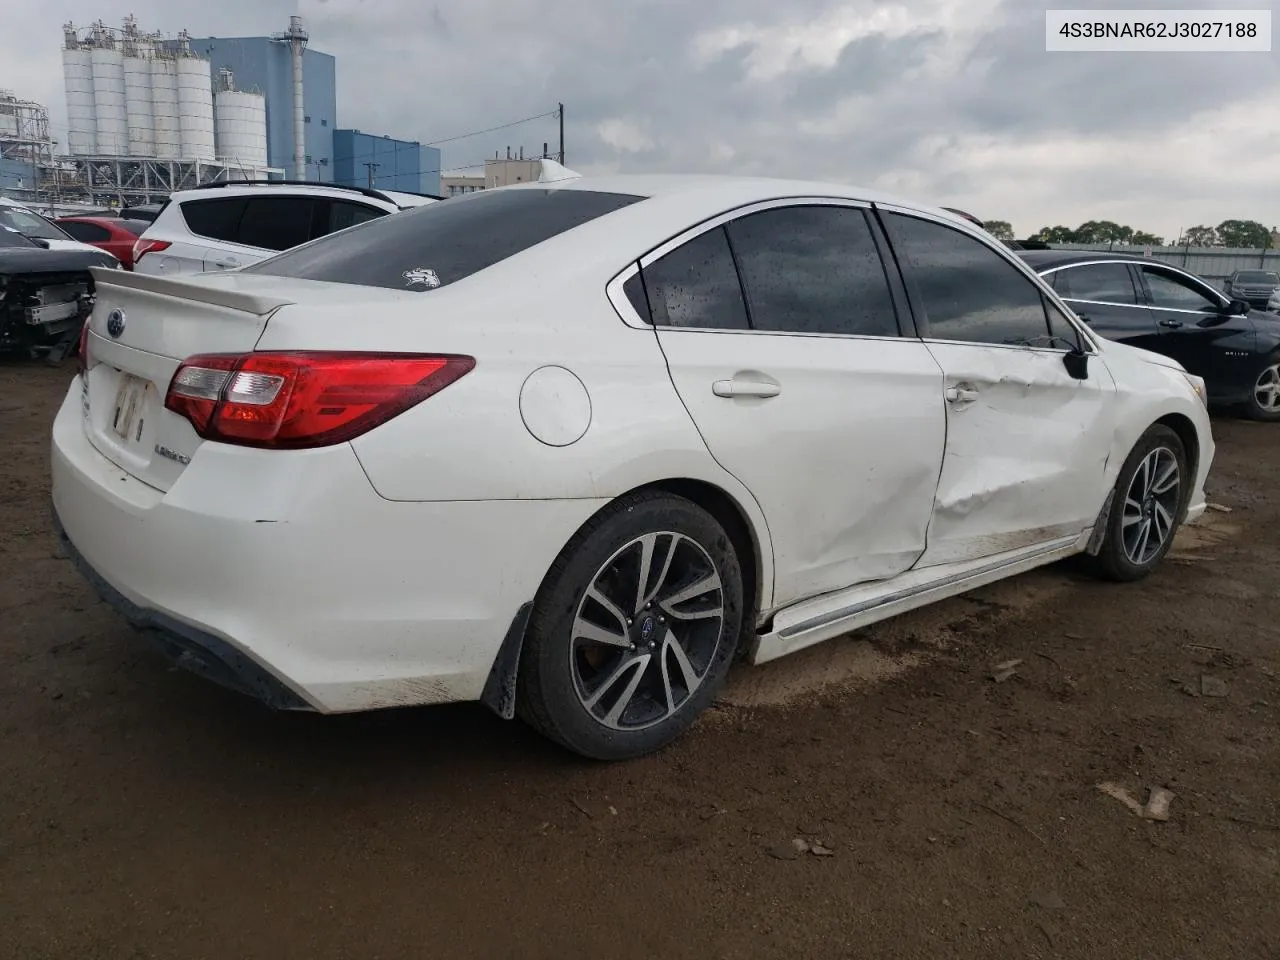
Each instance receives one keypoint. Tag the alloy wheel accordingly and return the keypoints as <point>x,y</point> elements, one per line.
<point>1266,392</point>
<point>1150,506</point>
<point>646,631</point>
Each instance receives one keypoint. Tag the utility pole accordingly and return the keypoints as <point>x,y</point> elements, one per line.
<point>371,167</point>
<point>560,113</point>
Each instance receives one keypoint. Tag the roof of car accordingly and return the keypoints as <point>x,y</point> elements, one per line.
<point>1040,260</point>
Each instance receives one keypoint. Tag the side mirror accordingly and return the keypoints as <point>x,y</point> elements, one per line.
<point>1238,307</point>
<point>43,244</point>
<point>1077,364</point>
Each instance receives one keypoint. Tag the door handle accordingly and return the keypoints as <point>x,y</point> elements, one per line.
<point>1171,324</point>
<point>961,395</point>
<point>227,264</point>
<point>745,388</point>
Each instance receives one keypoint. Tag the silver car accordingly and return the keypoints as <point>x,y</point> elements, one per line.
<point>1256,286</point>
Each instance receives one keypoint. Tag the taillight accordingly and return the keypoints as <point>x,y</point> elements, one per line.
<point>304,399</point>
<point>143,246</point>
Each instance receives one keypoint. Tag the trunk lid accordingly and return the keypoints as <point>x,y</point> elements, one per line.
<point>141,329</point>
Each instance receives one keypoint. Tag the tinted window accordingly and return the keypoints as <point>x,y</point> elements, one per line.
<point>696,285</point>
<point>342,214</point>
<point>813,270</point>
<point>12,238</point>
<point>449,241</point>
<point>217,219</point>
<point>85,232</point>
<point>1103,282</point>
<point>276,223</point>
<point>133,226</point>
<point>1257,276</point>
<point>968,292</point>
<point>1060,329</point>
<point>634,289</point>
<point>1173,292</point>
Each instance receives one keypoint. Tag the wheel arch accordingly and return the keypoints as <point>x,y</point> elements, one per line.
<point>1186,431</point>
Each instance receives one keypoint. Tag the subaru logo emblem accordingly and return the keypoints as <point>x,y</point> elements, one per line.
<point>647,628</point>
<point>115,323</point>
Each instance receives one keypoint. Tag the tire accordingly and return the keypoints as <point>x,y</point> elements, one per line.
<point>1137,504</point>
<point>1266,385</point>
<point>615,680</point>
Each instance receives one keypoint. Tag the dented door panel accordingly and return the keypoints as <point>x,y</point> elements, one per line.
<point>1026,451</point>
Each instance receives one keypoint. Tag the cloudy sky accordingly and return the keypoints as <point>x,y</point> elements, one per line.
<point>949,101</point>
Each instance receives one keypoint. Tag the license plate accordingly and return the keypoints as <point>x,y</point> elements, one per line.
<point>130,408</point>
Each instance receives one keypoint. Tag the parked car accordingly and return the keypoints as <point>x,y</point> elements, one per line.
<point>1158,307</point>
<point>568,450</point>
<point>142,211</point>
<point>45,294</point>
<point>224,226</point>
<point>33,226</point>
<point>1255,286</point>
<point>116,235</point>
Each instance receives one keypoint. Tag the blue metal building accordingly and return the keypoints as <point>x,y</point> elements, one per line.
<point>361,159</point>
<point>265,64</point>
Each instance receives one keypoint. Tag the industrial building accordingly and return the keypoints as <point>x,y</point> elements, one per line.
<point>365,160</point>
<point>26,147</point>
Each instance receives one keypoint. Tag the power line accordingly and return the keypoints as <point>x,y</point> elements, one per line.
<point>502,126</point>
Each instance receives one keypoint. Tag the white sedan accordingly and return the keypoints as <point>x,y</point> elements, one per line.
<point>570,448</point>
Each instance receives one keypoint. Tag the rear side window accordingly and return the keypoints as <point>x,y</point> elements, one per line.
<point>216,219</point>
<point>441,243</point>
<point>86,232</point>
<point>1099,282</point>
<point>696,285</point>
<point>335,215</point>
<point>276,223</point>
<point>813,269</point>
<point>967,291</point>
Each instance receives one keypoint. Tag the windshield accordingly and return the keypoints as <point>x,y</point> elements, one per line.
<point>30,224</point>
<point>441,243</point>
<point>1257,276</point>
<point>12,238</point>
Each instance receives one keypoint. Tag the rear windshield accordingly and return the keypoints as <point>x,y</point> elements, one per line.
<point>133,226</point>
<point>1257,276</point>
<point>442,243</point>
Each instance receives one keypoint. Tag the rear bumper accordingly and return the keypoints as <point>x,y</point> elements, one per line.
<point>284,574</point>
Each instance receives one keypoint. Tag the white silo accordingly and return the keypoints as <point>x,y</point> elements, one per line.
<point>137,91</point>
<point>77,74</point>
<point>195,105</point>
<point>164,107</point>
<point>240,121</point>
<point>108,95</point>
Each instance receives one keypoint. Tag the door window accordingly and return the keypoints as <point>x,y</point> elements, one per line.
<point>813,269</point>
<point>86,232</point>
<point>1062,332</point>
<point>1172,292</point>
<point>1099,282</point>
<point>696,285</point>
<point>276,223</point>
<point>965,290</point>
<point>216,219</point>
<point>335,215</point>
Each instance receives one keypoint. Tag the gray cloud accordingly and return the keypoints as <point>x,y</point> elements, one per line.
<point>951,101</point>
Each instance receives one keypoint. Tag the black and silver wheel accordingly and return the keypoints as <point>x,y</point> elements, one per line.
<point>634,629</point>
<point>1264,402</point>
<point>1147,507</point>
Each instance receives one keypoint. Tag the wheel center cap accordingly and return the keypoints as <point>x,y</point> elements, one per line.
<point>647,628</point>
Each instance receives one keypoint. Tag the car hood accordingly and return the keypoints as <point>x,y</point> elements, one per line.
<point>1113,348</point>
<point>75,245</point>
<point>19,261</point>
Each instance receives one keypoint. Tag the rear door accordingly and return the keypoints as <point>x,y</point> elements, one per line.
<point>267,225</point>
<point>781,333</point>
<point>1107,296</point>
<point>199,231</point>
<point>1026,444</point>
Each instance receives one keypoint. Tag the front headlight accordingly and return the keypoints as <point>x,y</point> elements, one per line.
<point>1197,384</point>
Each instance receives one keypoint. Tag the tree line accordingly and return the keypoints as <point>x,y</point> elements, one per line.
<point>1229,233</point>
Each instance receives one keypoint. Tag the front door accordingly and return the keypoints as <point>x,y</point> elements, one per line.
<point>786,350</point>
<point>1027,444</point>
<point>1106,297</point>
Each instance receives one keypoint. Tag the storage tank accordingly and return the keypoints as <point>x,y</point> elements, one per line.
<point>138,105</point>
<point>164,108</point>
<point>108,95</point>
<point>195,108</point>
<point>240,119</point>
<point>77,74</point>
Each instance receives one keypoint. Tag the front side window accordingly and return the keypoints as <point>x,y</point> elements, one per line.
<point>441,243</point>
<point>813,269</point>
<point>696,285</point>
<point>1099,282</point>
<point>966,291</point>
<point>1172,292</point>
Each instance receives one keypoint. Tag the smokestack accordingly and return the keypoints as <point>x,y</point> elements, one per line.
<point>296,37</point>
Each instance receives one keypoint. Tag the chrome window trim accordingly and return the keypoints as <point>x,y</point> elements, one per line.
<point>629,316</point>
<point>1158,265</point>
<point>1086,335</point>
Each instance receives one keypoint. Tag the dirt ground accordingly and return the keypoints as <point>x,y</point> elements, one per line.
<point>145,813</point>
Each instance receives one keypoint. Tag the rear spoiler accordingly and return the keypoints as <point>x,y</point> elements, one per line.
<point>194,289</point>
